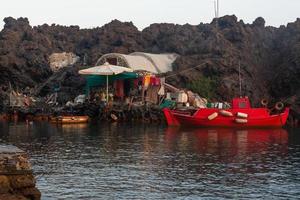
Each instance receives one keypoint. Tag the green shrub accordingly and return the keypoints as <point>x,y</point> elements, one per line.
<point>204,86</point>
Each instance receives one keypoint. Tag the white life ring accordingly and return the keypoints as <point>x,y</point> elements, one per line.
<point>279,106</point>
<point>264,102</point>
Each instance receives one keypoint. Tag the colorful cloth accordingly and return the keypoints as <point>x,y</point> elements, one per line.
<point>161,91</point>
<point>119,87</point>
<point>136,83</point>
<point>146,81</point>
<point>155,81</point>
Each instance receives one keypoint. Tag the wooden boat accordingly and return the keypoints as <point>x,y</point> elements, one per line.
<point>69,119</point>
<point>242,116</point>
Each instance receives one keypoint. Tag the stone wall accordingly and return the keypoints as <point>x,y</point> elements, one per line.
<point>16,177</point>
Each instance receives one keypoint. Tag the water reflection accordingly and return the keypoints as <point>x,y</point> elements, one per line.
<point>138,161</point>
<point>236,141</point>
<point>244,151</point>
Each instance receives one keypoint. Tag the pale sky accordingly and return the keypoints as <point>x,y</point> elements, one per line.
<point>92,13</point>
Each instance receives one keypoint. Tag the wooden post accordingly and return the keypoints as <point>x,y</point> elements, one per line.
<point>106,88</point>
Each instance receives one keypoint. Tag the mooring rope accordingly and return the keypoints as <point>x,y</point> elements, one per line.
<point>175,74</point>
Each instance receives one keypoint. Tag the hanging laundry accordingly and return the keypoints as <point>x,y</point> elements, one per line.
<point>152,94</point>
<point>152,80</point>
<point>146,81</point>
<point>161,91</point>
<point>119,88</point>
<point>157,81</point>
<point>136,83</point>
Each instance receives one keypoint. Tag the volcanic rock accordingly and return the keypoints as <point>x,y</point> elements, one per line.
<point>269,57</point>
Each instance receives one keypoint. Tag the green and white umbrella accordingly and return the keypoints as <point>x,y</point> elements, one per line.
<point>105,70</point>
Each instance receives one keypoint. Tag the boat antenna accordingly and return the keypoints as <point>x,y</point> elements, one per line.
<point>240,79</point>
<point>216,8</point>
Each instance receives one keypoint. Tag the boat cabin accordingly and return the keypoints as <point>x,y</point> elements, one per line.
<point>241,103</point>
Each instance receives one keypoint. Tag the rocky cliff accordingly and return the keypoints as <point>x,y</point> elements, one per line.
<point>269,57</point>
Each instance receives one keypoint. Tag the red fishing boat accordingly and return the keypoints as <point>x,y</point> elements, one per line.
<point>239,115</point>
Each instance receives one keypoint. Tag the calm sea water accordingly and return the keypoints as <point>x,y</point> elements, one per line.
<point>140,161</point>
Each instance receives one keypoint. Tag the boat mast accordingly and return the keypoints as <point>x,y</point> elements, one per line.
<point>240,79</point>
<point>217,10</point>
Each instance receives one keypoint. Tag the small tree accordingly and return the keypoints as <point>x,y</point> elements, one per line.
<point>204,86</point>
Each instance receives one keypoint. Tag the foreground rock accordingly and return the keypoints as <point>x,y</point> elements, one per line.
<point>16,179</point>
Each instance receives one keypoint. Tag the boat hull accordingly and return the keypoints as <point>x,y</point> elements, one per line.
<point>256,117</point>
<point>70,119</point>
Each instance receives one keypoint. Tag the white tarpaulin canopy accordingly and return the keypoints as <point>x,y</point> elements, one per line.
<point>105,70</point>
<point>139,61</point>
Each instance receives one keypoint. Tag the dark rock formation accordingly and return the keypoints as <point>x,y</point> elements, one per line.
<point>223,45</point>
<point>269,57</point>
